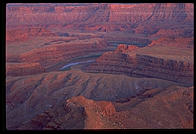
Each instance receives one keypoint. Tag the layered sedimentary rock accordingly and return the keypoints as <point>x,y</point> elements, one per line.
<point>129,39</point>
<point>149,90</point>
<point>147,110</point>
<point>18,69</point>
<point>157,61</point>
<point>63,52</point>
<point>175,32</point>
<point>52,53</point>
<point>103,17</point>
<point>180,42</point>
<point>24,33</point>
<point>179,71</point>
<point>29,96</point>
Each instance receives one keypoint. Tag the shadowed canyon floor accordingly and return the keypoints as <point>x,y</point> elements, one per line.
<point>99,66</point>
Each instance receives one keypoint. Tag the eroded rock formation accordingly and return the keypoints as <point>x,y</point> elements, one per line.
<point>157,62</point>
<point>142,111</point>
<point>39,59</point>
<point>67,51</point>
<point>24,33</point>
<point>146,82</point>
<point>103,17</point>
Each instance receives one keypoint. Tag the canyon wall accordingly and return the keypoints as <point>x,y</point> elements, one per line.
<point>142,64</point>
<point>28,97</point>
<point>65,51</point>
<point>59,110</point>
<point>51,54</point>
<point>154,85</point>
<point>179,42</point>
<point>103,17</point>
<point>22,33</point>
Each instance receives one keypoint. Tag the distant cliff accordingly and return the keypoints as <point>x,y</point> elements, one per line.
<point>103,17</point>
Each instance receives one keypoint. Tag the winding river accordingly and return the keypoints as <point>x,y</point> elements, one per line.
<point>75,63</point>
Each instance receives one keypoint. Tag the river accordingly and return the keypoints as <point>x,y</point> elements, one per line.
<point>75,63</point>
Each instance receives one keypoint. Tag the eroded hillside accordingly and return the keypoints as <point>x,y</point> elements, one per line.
<point>99,66</point>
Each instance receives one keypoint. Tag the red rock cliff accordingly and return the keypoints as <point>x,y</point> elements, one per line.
<point>157,62</point>
<point>104,17</point>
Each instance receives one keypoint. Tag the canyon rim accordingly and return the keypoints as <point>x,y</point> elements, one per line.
<point>73,66</point>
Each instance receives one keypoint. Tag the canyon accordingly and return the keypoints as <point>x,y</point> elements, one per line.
<point>155,61</point>
<point>99,66</point>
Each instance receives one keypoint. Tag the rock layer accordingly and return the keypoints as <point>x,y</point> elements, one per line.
<point>42,38</point>
<point>103,17</point>
<point>157,62</point>
<point>18,69</point>
<point>141,112</point>
<point>51,55</point>
<point>24,33</point>
<point>63,52</point>
<point>28,96</point>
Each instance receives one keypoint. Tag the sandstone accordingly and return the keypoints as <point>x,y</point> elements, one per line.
<point>100,15</point>
<point>148,62</point>
<point>24,33</point>
<point>139,112</point>
<point>55,53</point>
<point>123,48</point>
<point>146,82</point>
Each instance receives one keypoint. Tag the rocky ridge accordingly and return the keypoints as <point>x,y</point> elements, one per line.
<point>146,63</point>
<point>51,55</point>
<point>82,113</point>
<point>103,17</point>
